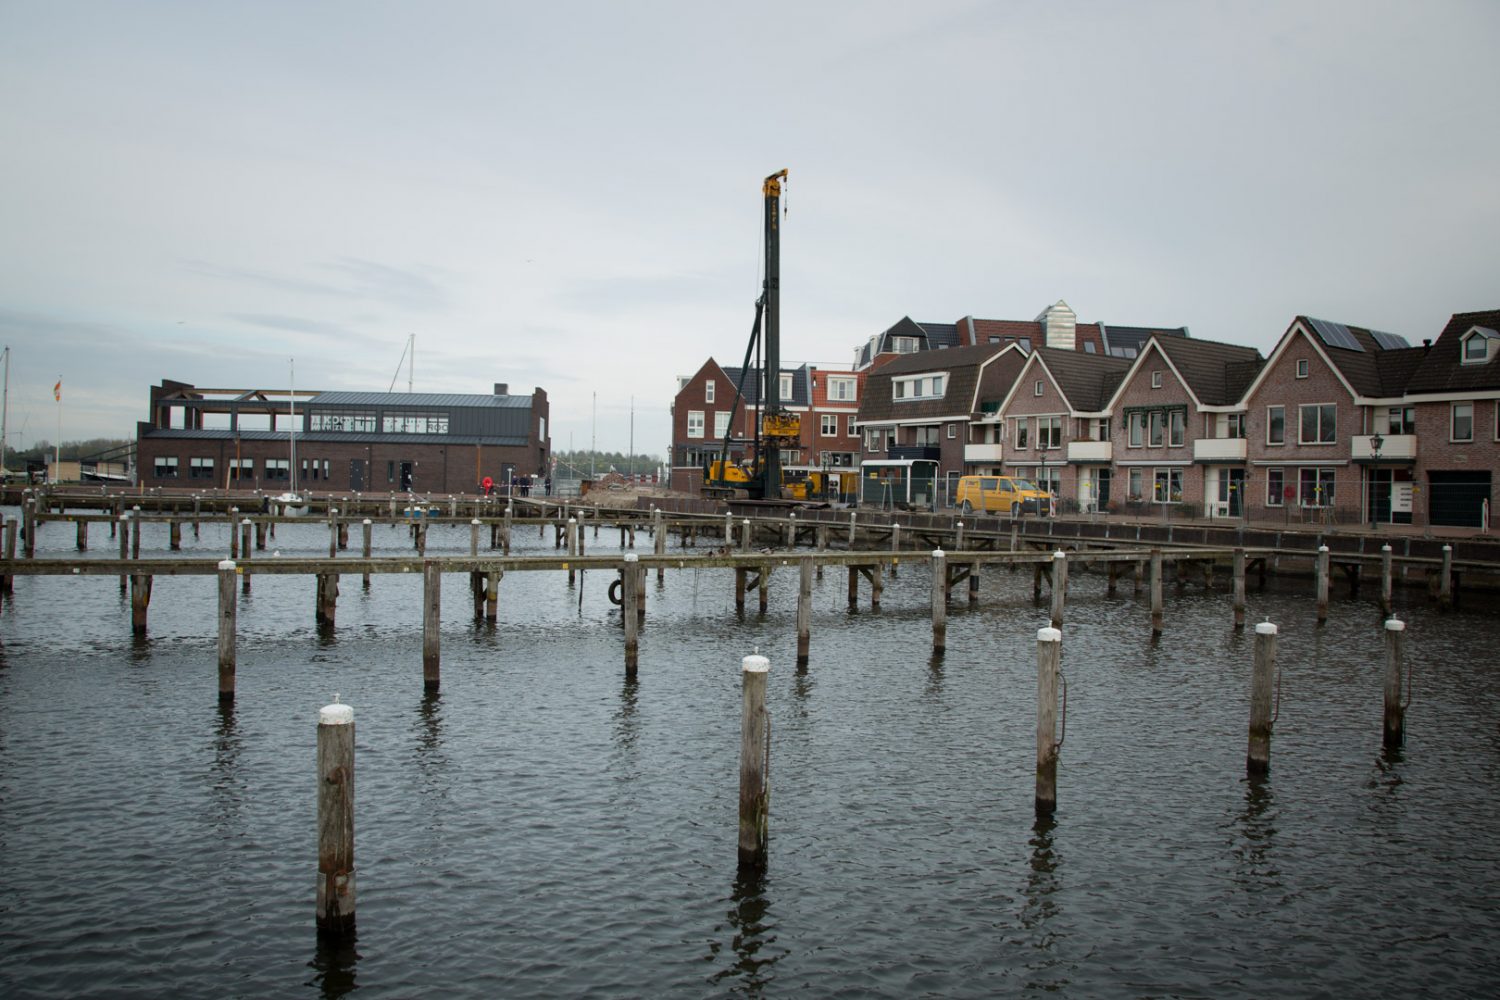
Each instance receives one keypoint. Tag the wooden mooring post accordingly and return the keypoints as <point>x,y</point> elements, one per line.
<point>1322,584</point>
<point>1059,586</point>
<point>335,901</point>
<point>474,526</point>
<point>432,601</point>
<point>755,763</point>
<point>28,513</point>
<point>228,612</point>
<point>1445,579</point>
<point>140,601</point>
<point>1262,687</point>
<point>939,601</point>
<point>7,582</point>
<point>366,527</point>
<point>629,616</point>
<point>1386,595</point>
<point>804,610</point>
<point>83,536</point>
<point>1395,708</point>
<point>1156,607</point>
<point>1048,668</point>
<point>573,538</point>
<point>659,543</point>
<point>135,532</point>
<point>326,599</point>
<point>246,527</point>
<point>124,544</point>
<point>1239,588</point>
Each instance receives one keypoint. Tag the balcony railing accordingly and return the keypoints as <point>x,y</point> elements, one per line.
<point>1219,450</point>
<point>1393,447</point>
<point>1090,451</point>
<point>931,451</point>
<point>983,452</point>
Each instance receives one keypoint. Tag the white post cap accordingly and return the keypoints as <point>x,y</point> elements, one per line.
<point>475,521</point>
<point>755,665</point>
<point>938,553</point>
<point>227,564</point>
<point>1395,625</point>
<point>1386,547</point>
<point>1049,635</point>
<point>337,714</point>
<point>1322,548</point>
<point>368,521</point>
<point>1265,628</point>
<point>631,557</point>
<point>1059,554</point>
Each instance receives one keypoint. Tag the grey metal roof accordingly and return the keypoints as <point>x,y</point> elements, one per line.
<point>415,399</point>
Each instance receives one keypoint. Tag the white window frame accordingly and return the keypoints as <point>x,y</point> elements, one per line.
<point>164,467</point>
<point>928,385</point>
<point>785,385</point>
<point>1320,440</point>
<point>1453,423</point>
<point>695,424</point>
<point>1156,379</point>
<point>708,391</point>
<point>1176,428</point>
<point>721,423</point>
<point>952,431</point>
<point>1048,433</point>
<point>828,424</point>
<point>1275,499</point>
<point>1302,368</point>
<point>1039,389</point>
<point>843,389</point>
<point>1269,424</point>
<point>1484,355</point>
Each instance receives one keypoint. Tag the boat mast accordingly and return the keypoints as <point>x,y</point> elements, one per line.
<point>4,411</point>
<point>291,369</point>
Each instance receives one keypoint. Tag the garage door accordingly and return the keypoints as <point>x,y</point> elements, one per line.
<point>1457,498</point>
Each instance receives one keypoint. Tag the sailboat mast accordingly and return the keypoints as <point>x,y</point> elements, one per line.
<point>4,410</point>
<point>291,376</point>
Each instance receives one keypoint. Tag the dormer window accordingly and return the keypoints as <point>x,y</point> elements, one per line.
<point>928,386</point>
<point>1478,346</point>
<point>904,345</point>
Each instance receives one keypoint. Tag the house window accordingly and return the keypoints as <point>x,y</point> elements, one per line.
<point>721,424</point>
<point>918,387</point>
<point>1021,427</point>
<point>1026,344</point>
<point>1049,432</point>
<point>1317,423</point>
<point>695,424</point>
<point>1275,425</point>
<point>1234,425</point>
<point>1462,428</point>
<point>1275,487</point>
<point>1157,427</point>
<point>952,431</point>
<point>904,345</point>
<point>1156,380</point>
<point>708,391</point>
<point>1302,368</point>
<point>1049,479</point>
<point>828,425</point>
<point>241,468</point>
<point>390,472</point>
<point>1315,487</point>
<point>1167,485</point>
<point>314,469</point>
<point>1088,347</point>
<point>851,431</point>
<point>786,388</point>
<point>1401,420</point>
<point>1136,422</point>
<point>1133,492</point>
<point>843,389</point>
<point>1178,427</point>
<point>166,467</point>
<point>1475,350</point>
<point>1038,390</point>
<point>200,468</point>
<point>924,437</point>
<point>278,469</point>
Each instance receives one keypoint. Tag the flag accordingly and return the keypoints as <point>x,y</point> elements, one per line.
<point>57,391</point>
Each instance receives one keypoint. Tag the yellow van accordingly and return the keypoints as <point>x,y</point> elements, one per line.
<point>1003,494</point>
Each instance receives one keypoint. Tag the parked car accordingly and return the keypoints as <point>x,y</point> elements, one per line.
<point>1001,494</point>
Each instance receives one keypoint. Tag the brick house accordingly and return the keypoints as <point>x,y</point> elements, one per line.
<point>1451,405</point>
<point>345,441</point>
<point>1178,425</point>
<point>1055,423</point>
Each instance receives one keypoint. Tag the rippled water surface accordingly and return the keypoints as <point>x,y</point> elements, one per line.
<point>544,828</point>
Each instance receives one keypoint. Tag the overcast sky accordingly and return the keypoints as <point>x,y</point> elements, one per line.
<point>567,195</point>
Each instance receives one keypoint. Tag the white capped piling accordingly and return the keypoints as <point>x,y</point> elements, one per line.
<point>246,526</point>
<point>853,529</point>
<point>1239,588</point>
<point>432,586</point>
<point>804,609</point>
<point>1048,667</point>
<point>1445,580</point>
<point>629,602</point>
<point>853,587</point>
<point>958,536</point>
<point>1059,586</point>
<point>509,523</point>
<point>367,525</point>
<point>659,544</point>
<point>939,600</point>
<point>1156,607</point>
<point>1262,685</point>
<point>124,544</point>
<point>1322,572</point>
<point>1385,579</point>
<point>135,533</point>
<point>343,532</point>
<point>895,546</point>
<point>28,512</point>
<point>1395,709</point>
<point>745,535</point>
<point>728,528</point>
<point>877,585</point>
<point>474,537</point>
<point>227,615</point>
<point>234,536</point>
<point>574,537</point>
<point>335,916</point>
<point>333,536</point>
<point>755,763</point>
<point>791,530</point>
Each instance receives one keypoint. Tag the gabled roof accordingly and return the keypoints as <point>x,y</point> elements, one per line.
<point>1087,381</point>
<point>1216,374</point>
<point>1442,369</point>
<point>1127,341</point>
<point>962,365</point>
<point>801,386</point>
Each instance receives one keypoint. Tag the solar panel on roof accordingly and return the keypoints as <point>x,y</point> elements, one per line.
<point>1389,341</point>
<point>1335,334</point>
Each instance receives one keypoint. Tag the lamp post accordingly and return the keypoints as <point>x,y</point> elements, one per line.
<point>1376,442</point>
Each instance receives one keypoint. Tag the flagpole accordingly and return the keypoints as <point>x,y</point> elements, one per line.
<point>57,447</point>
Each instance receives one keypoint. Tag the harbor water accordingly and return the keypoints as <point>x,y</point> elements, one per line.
<point>542,827</point>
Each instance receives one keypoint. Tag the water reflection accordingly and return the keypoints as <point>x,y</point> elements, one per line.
<point>1042,908</point>
<point>1254,840</point>
<point>626,728</point>
<point>225,770</point>
<point>431,755</point>
<point>752,935</point>
<point>335,962</point>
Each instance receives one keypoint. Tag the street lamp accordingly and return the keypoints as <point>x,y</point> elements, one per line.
<point>1376,441</point>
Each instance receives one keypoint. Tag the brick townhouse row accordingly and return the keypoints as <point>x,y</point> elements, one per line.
<point>1338,423</point>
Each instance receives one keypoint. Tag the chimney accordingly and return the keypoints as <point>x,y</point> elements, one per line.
<point>1059,326</point>
<point>502,388</point>
<point>1426,344</point>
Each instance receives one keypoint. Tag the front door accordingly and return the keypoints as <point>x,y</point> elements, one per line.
<point>1101,487</point>
<point>406,477</point>
<point>357,474</point>
<point>1234,480</point>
